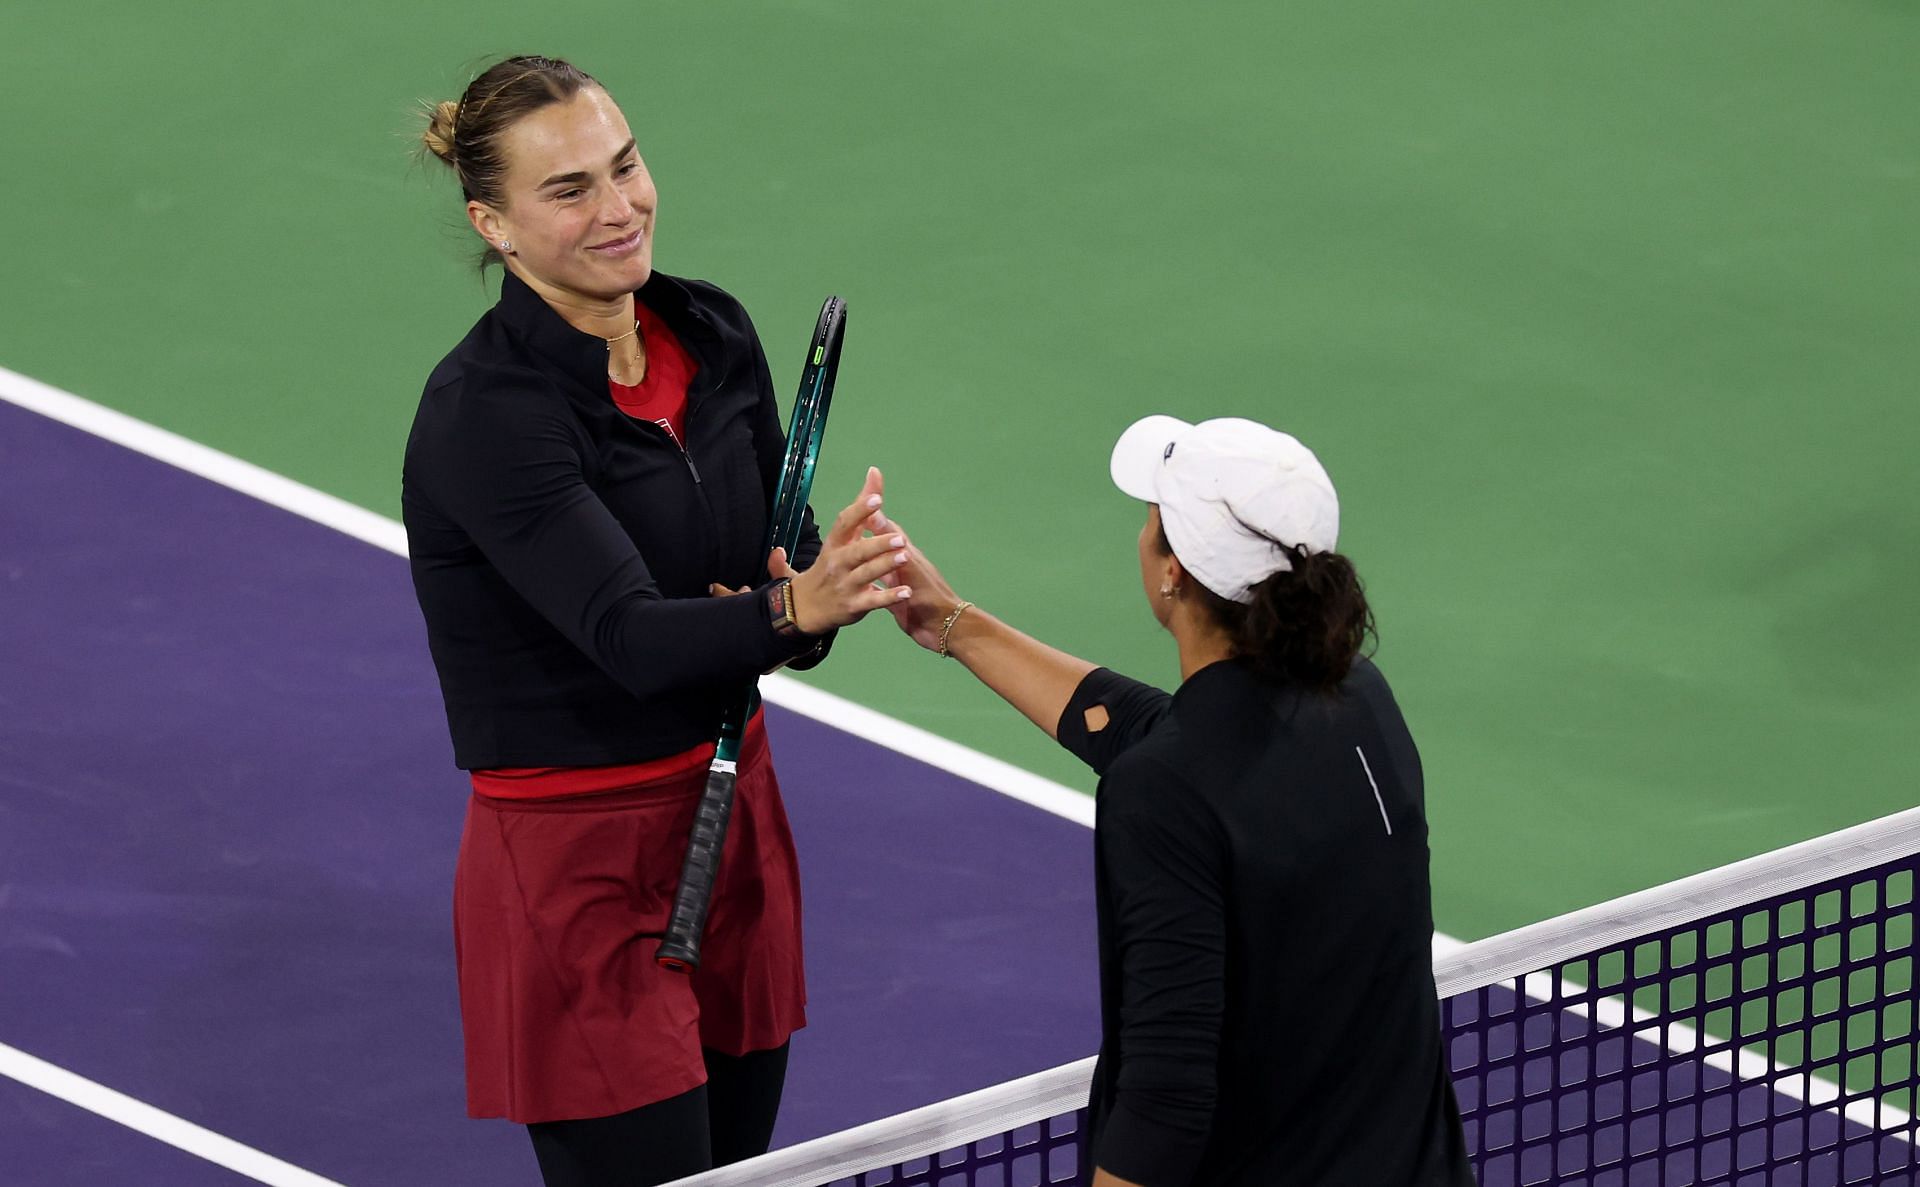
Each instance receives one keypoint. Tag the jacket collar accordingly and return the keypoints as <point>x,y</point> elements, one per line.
<point>582,357</point>
<point>1221,681</point>
<point>1224,687</point>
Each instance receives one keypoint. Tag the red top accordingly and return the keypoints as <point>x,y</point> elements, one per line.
<point>661,394</point>
<point>661,397</point>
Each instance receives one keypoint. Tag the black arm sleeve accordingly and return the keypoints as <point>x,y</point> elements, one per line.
<point>507,468</point>
<point>1132,710</point>
<point>770,450</point>
<point>1164,861</point>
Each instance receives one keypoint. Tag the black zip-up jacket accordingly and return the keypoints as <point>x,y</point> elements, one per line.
<point>561,550</point>
<point>1266,937</point>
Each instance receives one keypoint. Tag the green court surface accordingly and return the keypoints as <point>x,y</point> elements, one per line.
<point>1600,316</point>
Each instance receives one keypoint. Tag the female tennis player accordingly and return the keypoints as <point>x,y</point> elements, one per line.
<point>586,484</point>
<point>1267,999</point>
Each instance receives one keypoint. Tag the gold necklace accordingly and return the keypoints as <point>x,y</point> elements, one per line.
<point>623,338</point>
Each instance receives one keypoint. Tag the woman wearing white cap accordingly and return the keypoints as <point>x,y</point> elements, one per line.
<point>1267,998</point>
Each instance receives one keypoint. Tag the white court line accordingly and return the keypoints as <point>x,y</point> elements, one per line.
<point>185,1135</point>
<point>208,463</point>
<point>1610,1014</point>
<point>386,534</point>
<point>362,524</point>
<point>381,532</point>
<point>929,748</point>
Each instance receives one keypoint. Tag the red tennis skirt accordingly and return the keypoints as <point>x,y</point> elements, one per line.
<point>558,907</point>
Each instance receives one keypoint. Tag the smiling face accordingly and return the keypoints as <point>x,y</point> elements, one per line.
<point>577,202</point>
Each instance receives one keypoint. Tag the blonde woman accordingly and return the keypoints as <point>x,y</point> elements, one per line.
<point>586,483</point>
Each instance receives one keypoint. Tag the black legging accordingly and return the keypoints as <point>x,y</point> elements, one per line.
<point>728,1118</point>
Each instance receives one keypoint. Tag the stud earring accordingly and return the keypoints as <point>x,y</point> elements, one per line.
<point>505,245</point>
<point>1166,591</point>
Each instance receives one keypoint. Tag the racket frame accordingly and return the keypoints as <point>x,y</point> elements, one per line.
<point>699,869</point>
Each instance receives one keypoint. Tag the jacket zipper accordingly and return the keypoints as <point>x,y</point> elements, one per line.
<point>699,486</point>
<point>700,489</point>
<point>693,471</point>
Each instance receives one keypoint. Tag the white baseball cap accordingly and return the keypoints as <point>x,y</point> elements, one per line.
<point>1230,492</point>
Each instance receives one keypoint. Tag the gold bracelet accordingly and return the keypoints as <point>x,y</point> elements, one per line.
<point>946,628</point>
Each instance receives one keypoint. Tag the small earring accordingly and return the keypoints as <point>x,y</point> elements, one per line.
<point>505,245</point>
<point>1166,591</point>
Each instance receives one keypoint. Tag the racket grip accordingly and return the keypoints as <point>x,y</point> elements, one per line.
<point>680,947</point>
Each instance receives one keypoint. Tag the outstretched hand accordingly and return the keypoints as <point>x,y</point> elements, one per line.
<point>1034,678</point>
<point>853,575</point>
<point>921,616</point>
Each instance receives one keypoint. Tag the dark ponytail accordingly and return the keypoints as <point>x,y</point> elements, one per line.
<point>1305,626</point>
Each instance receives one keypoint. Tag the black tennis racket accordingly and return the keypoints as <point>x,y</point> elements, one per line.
<point>680,948</point>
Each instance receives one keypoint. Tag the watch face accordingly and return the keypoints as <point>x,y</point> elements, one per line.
<point>780,606</point>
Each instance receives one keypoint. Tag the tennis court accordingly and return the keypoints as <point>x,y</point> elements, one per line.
<point>197,916</point>
<point>1598,317</point>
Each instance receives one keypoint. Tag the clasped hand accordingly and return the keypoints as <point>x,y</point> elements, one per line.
<point>853,575</point>
<point>866,563</point>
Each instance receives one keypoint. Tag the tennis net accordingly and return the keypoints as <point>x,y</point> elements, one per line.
<point>1753,1025</point>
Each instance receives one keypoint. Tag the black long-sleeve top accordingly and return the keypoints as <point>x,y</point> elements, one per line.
<point>562,550</point>
<point>1267,999</point>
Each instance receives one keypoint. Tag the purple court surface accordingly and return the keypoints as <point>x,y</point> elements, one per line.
<point>228,817</point>
<point>1566,1103</point>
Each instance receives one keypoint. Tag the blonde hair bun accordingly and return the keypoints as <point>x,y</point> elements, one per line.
<point>437,136</point>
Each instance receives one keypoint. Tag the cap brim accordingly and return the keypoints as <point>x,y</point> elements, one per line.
<point>1140,452</point>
